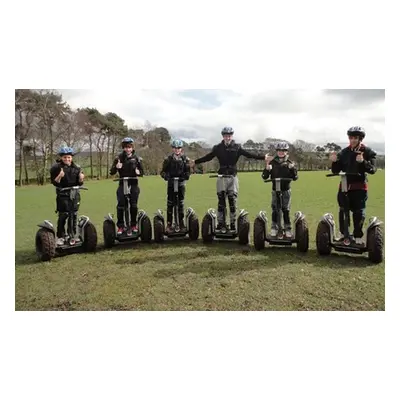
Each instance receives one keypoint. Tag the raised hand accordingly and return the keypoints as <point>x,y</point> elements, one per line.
<point>360,157</point>
<point>333,156</point>
<point>119,164</point>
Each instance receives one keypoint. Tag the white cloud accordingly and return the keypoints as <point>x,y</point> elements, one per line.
<point>312,115</point>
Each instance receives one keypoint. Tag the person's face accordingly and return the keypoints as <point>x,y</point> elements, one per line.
<point>177,150</point>
<point>128,148</point>
<point>227,139</point>
<point>354,141</point>
<point>67,159</point>
<point>281,153</point>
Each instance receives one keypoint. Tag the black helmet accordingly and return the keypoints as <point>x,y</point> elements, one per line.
<point>227,130</point>
<point>356,131</point>
<point>281,146</point>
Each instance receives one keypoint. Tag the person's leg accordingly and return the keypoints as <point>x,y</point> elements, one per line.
<point>341,199</point>
<point>358,199</point>
<point>221,194</point>
<point>286,203</point>
<point>134,198</point>
<point>170,206</point>
<point>274,207</point>
<point>232,191</point>
<point>76,205</point>
<point>181,205</point>
<point>120,208</point>
<point>62,207</point>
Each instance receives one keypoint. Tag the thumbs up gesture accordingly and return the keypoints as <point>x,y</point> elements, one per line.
<point>61,174</point>
<point>119,164</point>
<point>360,157</point>
<point>333,156</point>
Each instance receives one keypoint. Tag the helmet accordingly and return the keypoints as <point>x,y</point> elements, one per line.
<point>356,131</point>
<point>227,130</point>
<point>66,151</point>
<point>282,146</point>
<point>177,143</point>
<point>127,140</point>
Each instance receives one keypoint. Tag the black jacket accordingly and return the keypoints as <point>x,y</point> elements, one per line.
<point>176,167</point>
<point>129,165</point>
<point>281,170</point>
<point>71,177</point>
<point>228,157</point>
<point>346,162</point>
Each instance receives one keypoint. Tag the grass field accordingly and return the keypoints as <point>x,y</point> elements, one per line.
<point>181,275</point>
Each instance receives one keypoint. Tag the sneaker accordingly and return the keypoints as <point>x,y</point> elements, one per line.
<point>273,232</point>
<point>129,232</point>
<point>169,229</point>
<point>359,241</point>
<point>120,231</point>
<point>60,242</point>
<point>219,226</point>
<point>288,234</point>
<point>182,226</point>
<point>341,237</point>
<point>134,229</point>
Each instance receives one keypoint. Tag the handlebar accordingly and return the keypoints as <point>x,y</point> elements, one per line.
<point>73,187</point>
<point>277,179</point>
<point>126,178</point>
<point>225,176</point>
<point>344,174</point>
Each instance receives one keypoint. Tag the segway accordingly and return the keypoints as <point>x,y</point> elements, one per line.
<point>110,229</point>
<point>209,224</point>
<point>191,221</point>
<point>260,229</point>
<point>85,237</point>
<point>326,234</point>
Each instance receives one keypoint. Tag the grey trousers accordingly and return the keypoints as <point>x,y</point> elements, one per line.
<point>227,187</point>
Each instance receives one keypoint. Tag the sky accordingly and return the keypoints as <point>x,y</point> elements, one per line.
<point>317,116</point>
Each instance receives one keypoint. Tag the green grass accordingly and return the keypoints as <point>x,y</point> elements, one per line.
<point>180,275</point>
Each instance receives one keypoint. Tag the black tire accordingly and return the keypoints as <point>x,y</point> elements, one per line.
<point>259,234</point>
<point>206,227</point>
<point>158,227</point>
<point>45,243</point>
<point>322,239</point>
<point>302,236</point>
<point>146,233</point>
<point>109,234</point>
<point>194,228</point>
<point>243,230</point>
<point>90,238</point>
<point>375,244</point>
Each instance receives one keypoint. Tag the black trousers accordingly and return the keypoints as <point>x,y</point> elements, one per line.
<point>356,203</point>
<point>133,200</point>
<point>171,201</point>
<point>64,206</point>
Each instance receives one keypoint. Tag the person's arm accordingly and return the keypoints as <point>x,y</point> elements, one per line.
<point>207,157</point>
<point>293,173</point>
<point>164,170</point>
<point>186,169</point>
<point>369,162</point>
<point>56,174</point>
<point>113,169</point>
<point>336,165</point>
<point>140,166</point>
<point>243,152</point>
<point>80,176</point>
<point>266,173</point>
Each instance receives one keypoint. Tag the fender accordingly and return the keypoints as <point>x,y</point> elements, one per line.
<point>211,212</point>
<point>373,221</point>
<point>140,216</point>
<point>109,217</point>
<point>328,219</point>
<point>46,224</point>
<point>262,216</point>
<point>82,221</point>
<point>243,213</point>
<point>189,213</point>
<point>298,216</point>
<point>159,214</point>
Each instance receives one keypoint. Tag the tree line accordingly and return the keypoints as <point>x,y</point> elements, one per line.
<point>44,122</point>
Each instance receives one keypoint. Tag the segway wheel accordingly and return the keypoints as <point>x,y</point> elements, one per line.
<point>375,244</point>
<point>322,239</point>
<point>45,243</point>
<point>302,236</point>
<point>206,229</point>
<point>109,234</point>
<point>146,233</point>
<point>158,228</point>
<point>90,238</point>
<point>259,234</point>
<point>243,230</point>
<point>194,227</point>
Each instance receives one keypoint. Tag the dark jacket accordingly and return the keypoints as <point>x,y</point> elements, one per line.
<point>71,177</point>
<point>346,162</point>
<point>228,157</point>
<point>281,170</point>
<point>175,167</point>
<point>129,165</point>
